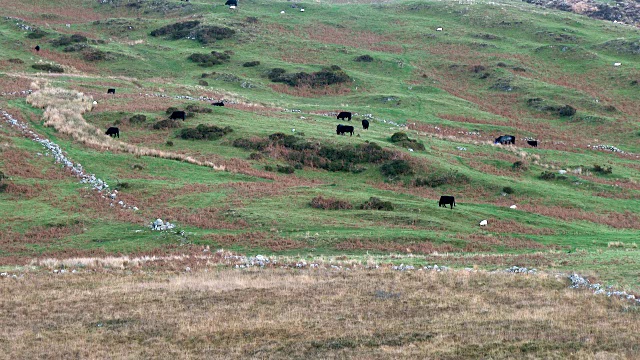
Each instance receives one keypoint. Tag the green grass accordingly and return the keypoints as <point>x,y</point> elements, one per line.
<point>418,77</point>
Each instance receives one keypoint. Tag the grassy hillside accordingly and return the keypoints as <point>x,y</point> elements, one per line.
<point>495,69</point>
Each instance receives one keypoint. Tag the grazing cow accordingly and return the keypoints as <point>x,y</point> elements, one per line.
<point>178,115</point>
<point>111,91</point>
<point>365,124</point>
<point>37,47</point>
<point>344,115</point>
<point>232,2</point>
<point>533,143</point>
<point>505,139</point>
<point>445,199</point>
<point>343,129</point>
<point>113,132</point>
<point>218,103</point>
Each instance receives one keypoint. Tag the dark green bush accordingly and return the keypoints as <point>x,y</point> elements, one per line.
<point>137,119</point>
<point>166,124</point>
<point>169,143</point>
<point>268,168</point>
<point>16,61</point>
<point>327,76</point>
<point>204,132</point>
<point>48,68</point>
<point>402,139</point>
<point>215,58</point>
<point>519,165</point>
<point>396,168</point>
<point>94,55</point>
<point>75,47</point>
<point>198,109</point>
<point>602,169</point>
<point>193,30</point>
<point>203,83</point>
<point>65,40</point>
<point>37,34</point>
<point>320,202</point>
<point>375,203</point>
<point>2,176</point>
<point>3,187</point>
<point>170,110</point>
<point>363,58</point>
<point>256,156</point>
<point>251,63</point>
<point>507,190</point>
<point>451,177</point>
<point>567,110</point>
<point>547,175</point>
<point>285,169</point>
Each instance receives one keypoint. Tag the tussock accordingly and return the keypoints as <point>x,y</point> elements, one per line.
<point>63,112</point>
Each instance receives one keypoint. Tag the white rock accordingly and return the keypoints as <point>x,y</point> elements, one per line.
<point>617,64</point>
<point>301,10</point>
<point>232,7</point>
<point>483,223</point>
<point>562,172</point>
<point>282,12</point>
<point>513,207</point>
<point>439,29</point>
<point>95,102</point>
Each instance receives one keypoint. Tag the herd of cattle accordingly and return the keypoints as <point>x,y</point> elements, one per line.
<point>340,130</point>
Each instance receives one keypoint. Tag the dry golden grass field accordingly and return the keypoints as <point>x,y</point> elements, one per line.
<point>316,313</point>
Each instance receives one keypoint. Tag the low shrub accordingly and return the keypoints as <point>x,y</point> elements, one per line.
<point>170,110</point>
<point>401,139</point>
<point>320,202</point>
<point>519,166</point>
<point>567,111</point>
<point>193,30</point>
<point>396,168</point>
<point>285,169</point>
<point>137,166</point>
<point>251,63</point>
<point>65,40</point>
<point>94,55</point>
<point>75,47</point>
<point>204,132</point>
<point>602,169</point>
<point>203,83</point>
<point>215,58</point>
<point>327,76</point>
<point>507,190</point>
<point>16,61</point>
<point>166,124</point>
<point>137,119</point>
<point>364,58</point>
<point>37,34</point>
<point>375,203</point>
<point>198,109</point>
<point>451,177</point>
<point>169,143</point>
<point>268,168</point>
<point>547,175</point>
<point>48,68</point>
<point>256,156</point>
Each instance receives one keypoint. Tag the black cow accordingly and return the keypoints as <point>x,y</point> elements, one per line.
<point>111,91</point>
<point>113,132</point>
<point>37,47</point>
<point>533,143</point>
<point>218,103</point>
<point>178,115</point>
<point>232,2</point>
<point>344,115</point>
<point>343,129</point>
<point>365,124</point>
<point>445,199</point>
<point>505,139</point>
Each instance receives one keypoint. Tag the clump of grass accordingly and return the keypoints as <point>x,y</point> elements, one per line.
<point>166,124</point>
<point>507,190</point>
<point>285,169</point>
<point>195,108</point>
<point>547,175</point>
<point>204,132</point>
<point>375,203</point>
<point>37,34</point>
<point>519,166</point>
<point>137,119</point>
<point>402,139</point>
<point>615,244</point>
